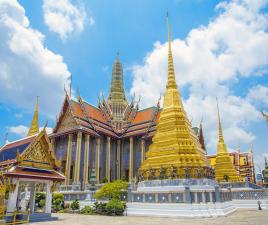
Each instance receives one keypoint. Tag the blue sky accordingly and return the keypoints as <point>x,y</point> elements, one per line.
<point>220,49</point>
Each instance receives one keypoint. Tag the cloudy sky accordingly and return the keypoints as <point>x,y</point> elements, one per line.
<point>220,49</point>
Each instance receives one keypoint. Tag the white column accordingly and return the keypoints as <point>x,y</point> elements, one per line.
<point>12,200</point>
<point>48,197</point>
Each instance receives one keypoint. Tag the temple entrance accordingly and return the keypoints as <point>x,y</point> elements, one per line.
<point>32,196</point>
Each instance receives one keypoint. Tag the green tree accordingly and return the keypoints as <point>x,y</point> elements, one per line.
<point>112,190</point>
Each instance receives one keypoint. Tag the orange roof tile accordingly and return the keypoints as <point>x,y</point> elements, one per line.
<point>144,115</point>
<point>94,113</point>
<point>77,109</point>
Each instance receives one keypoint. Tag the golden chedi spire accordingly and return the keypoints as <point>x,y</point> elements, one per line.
<point>34,129</point>
<point>224,168</point>
<point>174,143</point>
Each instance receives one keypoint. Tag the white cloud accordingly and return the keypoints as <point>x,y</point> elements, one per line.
<point>259,94</point>
<point>64,18</point>
<point>49,130</point>
<point>19,130</point>
<point>22,130</point>
<point>232,45</point>
<point>28,67</point>
<point>19,115</point>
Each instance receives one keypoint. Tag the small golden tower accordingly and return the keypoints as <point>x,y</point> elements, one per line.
<point>175,147</point>
<point>34,129</point>
<point>224,168</point>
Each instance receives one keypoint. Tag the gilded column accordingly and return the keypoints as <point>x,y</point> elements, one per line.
<point>118,158</point>
<point>78,158</point>
<point>53,145</point>
<point>86,160</point>
<point>142,150</point>
<point>97,160</point>
<point>130,159</point>
<point>108,159</point>
<point>68,159</point>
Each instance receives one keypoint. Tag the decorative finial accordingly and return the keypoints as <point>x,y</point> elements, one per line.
<point>71,80</point>
<point>64,88</point>
<point>46,124</point>
<point>265,116</point>
<point>220,127</point>
<point>6,138</point>
<point>251,149</point>
<point>34,129</point>
<point>117,56</point>
<point>171,73</point>
<point>158,102</point>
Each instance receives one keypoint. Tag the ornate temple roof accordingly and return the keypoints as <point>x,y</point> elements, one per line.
<point>31,157</point>
<point>93,120</point>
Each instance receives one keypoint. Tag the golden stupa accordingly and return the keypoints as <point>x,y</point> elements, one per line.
<point>224,168</point>
<point>175,150</point>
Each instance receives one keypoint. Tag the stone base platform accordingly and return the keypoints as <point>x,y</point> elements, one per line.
<point>250,204</point>
<point>180,210</point>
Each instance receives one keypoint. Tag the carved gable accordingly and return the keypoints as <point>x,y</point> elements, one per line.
<point>68,122</point>
<point>38,154</point>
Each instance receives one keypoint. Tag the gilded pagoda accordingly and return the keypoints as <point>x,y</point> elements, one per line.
<point>224,168</point>
<point>175,150</point>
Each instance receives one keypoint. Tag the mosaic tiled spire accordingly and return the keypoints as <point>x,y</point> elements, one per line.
<point>117,98</point>
<point>34,129</point>
<point>117,91</point>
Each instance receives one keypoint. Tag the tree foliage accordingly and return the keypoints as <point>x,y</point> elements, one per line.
<point>112,190</point>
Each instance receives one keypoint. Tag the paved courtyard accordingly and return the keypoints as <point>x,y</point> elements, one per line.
<point>240,217</point>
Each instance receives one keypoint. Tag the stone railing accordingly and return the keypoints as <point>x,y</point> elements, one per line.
<point>250,194</point>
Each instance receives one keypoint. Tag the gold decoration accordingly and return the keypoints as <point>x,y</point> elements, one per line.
<point>224,168</point>
<point>38,154</point>
<point>68,122</point>
<point>4,189</point>
<point>265,116</point>
<point>174,142</point>
<point>34,129</point>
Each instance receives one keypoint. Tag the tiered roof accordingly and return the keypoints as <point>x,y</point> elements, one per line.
<point>92,119</point>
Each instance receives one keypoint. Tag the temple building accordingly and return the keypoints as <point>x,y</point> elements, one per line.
<point>111,138</point>
<point>224,168</point>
